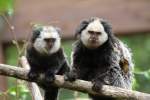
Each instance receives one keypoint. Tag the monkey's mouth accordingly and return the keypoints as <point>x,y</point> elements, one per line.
<point>49,46</point>
<point>93,41</point>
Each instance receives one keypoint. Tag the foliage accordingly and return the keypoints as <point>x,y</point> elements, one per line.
<point>22,90</point>
<point>6,6</point>
<point>11,58</point>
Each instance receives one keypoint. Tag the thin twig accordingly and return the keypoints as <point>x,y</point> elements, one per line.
<point>12,28</point>
<point>20,52</point>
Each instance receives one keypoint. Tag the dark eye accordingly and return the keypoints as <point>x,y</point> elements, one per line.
<point>49,39</point>
<point>98,33</point>
<point>91,32</point>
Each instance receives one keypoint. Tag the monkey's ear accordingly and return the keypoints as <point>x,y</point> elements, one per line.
<point>107,26</point>
<point>36,30</point>
<point>81,27</point>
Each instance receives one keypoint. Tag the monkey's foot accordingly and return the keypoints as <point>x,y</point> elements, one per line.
<point>97,86</point>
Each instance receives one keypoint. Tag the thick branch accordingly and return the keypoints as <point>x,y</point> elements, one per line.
<point>78,85</point>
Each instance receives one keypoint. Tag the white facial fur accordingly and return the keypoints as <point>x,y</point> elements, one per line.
<point>40,44</point>
<point>95,26</point>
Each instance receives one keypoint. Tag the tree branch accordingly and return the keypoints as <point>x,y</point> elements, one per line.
<point>78,85</point>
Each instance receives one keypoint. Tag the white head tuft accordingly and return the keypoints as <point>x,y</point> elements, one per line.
<point>94,34</point>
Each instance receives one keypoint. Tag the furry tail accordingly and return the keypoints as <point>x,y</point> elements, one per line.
<point>51,93</point>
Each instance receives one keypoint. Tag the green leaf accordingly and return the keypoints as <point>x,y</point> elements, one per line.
<point>12,91</point>
<point>6,6</point>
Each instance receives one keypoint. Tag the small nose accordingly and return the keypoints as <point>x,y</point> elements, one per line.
<point>50,42</point>
<point>93,36</point>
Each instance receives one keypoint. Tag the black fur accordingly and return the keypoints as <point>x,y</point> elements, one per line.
<point>36,33</point>
<point>98,65</point>
<point>49,65</point>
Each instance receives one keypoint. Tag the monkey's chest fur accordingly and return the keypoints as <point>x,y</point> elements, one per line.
<point>93,63</point>
<point>98,64</point>
<point>42,63</point>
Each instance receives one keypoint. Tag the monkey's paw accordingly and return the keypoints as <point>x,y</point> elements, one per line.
<point>49,78</point>
<point>70,77</point>
<point>33,75</point>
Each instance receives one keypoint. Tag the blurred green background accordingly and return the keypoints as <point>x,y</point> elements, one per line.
<point>139,44</point>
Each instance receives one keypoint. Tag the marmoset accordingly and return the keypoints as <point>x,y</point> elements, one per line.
<point>46,58</point>
<point>98,56</point>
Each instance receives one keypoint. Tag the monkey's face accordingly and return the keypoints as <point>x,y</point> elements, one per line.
<point>47,41</point>
<point>94,35</point>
